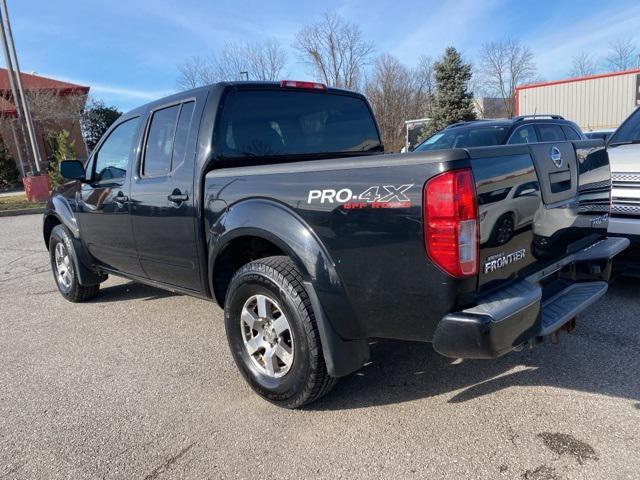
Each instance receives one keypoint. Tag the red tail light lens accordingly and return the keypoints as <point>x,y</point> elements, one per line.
<point>451,222</point>
<point>306,85</point>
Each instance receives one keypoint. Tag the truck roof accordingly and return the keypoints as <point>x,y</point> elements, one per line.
<point>241,84</point>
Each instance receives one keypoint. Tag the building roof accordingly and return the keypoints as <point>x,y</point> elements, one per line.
<point>31,82</point>
<point>579,79</point>
<point>36,82</point>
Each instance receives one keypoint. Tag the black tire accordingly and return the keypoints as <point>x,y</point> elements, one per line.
<point>503,230</point>
<point>73,290</point>
<point>307,378</point>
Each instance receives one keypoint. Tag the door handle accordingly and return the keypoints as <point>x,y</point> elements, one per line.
<point>178,197</point>
<point>120,199</point>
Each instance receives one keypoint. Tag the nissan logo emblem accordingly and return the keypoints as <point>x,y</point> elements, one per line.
<point>556,157</point>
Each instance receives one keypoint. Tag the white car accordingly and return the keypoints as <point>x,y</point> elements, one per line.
<point>624,158</point>
<point>506,210</point>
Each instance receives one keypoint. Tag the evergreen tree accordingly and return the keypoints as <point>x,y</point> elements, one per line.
<point>8,171</point>
<point>65,150</point>
<point>452,101</point>
<point>96,120</point>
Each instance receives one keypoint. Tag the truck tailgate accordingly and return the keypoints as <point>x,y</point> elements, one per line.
<point>538,203</point>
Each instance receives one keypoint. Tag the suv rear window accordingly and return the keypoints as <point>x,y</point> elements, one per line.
<point>266,123</point>
<point>462,137</point>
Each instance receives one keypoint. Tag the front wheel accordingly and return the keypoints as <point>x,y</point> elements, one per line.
<point>64,268</point>
<point>273,335</point>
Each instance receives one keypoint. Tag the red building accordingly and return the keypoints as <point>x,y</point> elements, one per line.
<point>54,105</point>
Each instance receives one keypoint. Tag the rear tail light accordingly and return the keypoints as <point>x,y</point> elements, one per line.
<point>306,85</point>
<point>451,222</point>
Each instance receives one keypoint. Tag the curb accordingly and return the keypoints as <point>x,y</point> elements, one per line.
<point>22,211</point>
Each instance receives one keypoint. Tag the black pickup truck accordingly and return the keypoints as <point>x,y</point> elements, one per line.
<point>277,201</point>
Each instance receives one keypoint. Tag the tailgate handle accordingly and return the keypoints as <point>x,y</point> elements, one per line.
<point>560,181</point>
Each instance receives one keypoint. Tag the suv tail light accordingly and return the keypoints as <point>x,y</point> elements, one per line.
<point>451,222</point>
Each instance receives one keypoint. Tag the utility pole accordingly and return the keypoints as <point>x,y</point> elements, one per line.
<point>14,92</point>
<point>13,68</point>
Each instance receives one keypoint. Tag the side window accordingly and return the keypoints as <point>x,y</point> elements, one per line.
<point>112,158</point>
<point>629,131</point>
<point>167,139</point>
<point>551,133</point>
<point>529,188</point>
<point>157,154</point>
<point>182,132</point>
<point>570,133</point>
<point>525,134</point>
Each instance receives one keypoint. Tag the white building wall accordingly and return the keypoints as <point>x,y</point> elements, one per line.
<point>593,103</point>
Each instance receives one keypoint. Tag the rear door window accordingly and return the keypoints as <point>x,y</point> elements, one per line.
<point>524,134</point>
<point>167,139</point>
<point>551,133</point>
<point>157,155</point>
<point>570,133</point>
<point>266,123</point>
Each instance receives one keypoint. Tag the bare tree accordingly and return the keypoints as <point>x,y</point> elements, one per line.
<point>266,61</point>
<point>52,109</point>
<point>583,64</point>
<point>397,94</point>
<point>503,66</point>
<point>334,50</point>
<point>622,55</point>
<point>195,72</point>
<point>261,61</point>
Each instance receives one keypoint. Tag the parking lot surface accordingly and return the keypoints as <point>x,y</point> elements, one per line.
<point>139,384</point>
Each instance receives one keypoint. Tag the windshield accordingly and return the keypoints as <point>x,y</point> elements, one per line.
<point>462,137</point>
<point>266,123</point>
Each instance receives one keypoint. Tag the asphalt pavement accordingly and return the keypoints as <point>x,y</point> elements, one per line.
<point>139,384</point>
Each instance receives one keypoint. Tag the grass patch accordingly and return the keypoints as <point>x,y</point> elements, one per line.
<point>17,202</point>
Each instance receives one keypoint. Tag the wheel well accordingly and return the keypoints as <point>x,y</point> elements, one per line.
<point>49,222</point>
<point>237,253</point>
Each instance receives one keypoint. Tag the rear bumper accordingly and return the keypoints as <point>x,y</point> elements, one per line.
<point>522,311</point>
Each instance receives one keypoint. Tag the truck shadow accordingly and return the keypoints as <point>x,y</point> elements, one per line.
<point>602,356</point>
<point>130,291</point>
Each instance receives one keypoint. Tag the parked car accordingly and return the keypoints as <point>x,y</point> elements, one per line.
<point>275,201</point>
<point>505,210</point>
<point>624,153</point>
<point>599,134</point>
<point>516,130</point>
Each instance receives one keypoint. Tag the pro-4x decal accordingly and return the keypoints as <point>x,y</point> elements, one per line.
<point>376,196</point>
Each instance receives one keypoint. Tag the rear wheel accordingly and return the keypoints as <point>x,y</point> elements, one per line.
<point>64,268</point>
<point>273,335</point>
<point>503,230</point>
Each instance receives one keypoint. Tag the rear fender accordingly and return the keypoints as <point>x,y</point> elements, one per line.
<point>281,226</point>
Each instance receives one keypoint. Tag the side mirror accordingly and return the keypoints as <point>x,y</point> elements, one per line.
<point>72,170</point>
<point>529,192</point>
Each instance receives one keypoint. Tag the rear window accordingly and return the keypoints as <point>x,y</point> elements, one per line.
<point>464,137</point>
<point>259,123</point>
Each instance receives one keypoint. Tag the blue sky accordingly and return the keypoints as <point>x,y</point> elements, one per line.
<point>127,52</point>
